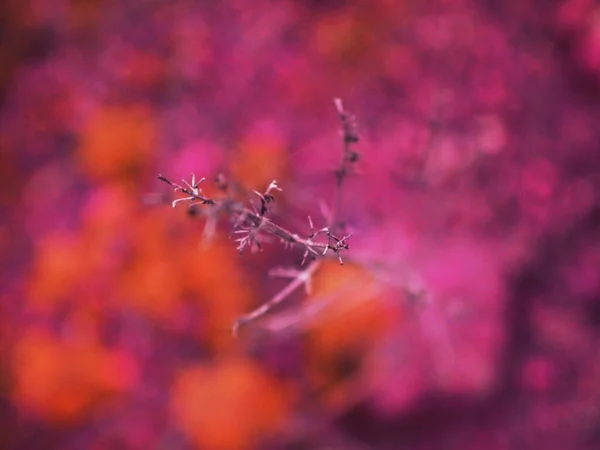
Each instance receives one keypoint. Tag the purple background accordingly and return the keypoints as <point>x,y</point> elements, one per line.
<point>477,187</point>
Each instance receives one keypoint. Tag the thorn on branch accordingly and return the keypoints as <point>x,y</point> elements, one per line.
<point>266,198</point>
<point>338,246</point>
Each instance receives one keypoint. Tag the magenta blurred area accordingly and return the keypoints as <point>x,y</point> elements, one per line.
<point>470,314</point>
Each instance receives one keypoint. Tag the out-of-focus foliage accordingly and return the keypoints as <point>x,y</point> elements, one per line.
<point>467,313</point>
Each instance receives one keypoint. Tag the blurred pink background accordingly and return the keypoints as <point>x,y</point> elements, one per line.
<point>468,313</point>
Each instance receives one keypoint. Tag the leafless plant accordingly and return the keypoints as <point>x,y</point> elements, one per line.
<point>254,226</point>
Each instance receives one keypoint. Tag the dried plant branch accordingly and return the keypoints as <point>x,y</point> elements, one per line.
<point>254,227</point>
<point>253,224</point>
<point>299,318</point>
<point>349,158</point>
<point>302,278</point>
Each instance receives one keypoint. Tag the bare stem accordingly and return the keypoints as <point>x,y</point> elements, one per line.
<point>252,223</point>
<point>302,278</point>
<point>349,157</point>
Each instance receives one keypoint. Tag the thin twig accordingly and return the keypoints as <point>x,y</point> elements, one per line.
<point>301,279</point>
<point>254,226</point>
<point>349,157</point>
